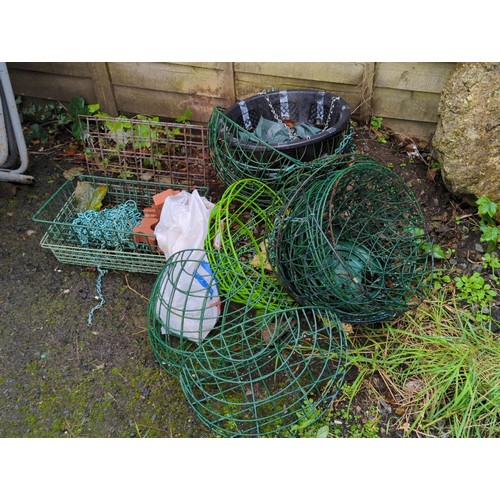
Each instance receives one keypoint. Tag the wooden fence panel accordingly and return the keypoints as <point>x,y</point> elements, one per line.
<point>77,69</point>
<point>53,81</point>
<point>168,89</point>
<point>424,77</point>
<point>344,79</point>
<point>405,95</point>
<point>307,72</point>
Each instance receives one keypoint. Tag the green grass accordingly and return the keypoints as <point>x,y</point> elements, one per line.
<point>440,368</point>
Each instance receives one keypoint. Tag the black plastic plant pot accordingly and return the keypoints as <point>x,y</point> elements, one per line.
<point>311,107</point>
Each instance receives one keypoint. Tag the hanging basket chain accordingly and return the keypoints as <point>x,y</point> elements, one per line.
<point>330,112</point>
<point>290,130</point>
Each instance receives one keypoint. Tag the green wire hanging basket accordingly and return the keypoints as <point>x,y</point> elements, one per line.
<point>186,305</point>
<point>353,241</point>
<point>234,159</point>
<point>245,370</point>
<point>261,372</point>
<point>239,226</point>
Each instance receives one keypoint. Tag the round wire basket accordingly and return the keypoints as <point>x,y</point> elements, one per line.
<point>239,226</point>
<point>353,241</point>
<point>238,153</point>
<point>262,372</point>
<point>186,305</point>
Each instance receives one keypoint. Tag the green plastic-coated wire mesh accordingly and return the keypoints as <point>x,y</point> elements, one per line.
<point>186,304</point>
<point>84,244</point>
<point>234,159</point>
<point>353,241</point>
<point>239,226</point>
<point>245,371</point>
<point>257,375</point>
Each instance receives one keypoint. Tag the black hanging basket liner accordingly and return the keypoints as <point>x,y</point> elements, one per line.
<point>312,124</point>
<point>294,107</point>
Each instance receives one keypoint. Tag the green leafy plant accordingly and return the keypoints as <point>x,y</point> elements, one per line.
<point>42,120</point>
<point>184,118</point>
<point>349,425</point>
<point>491,260</point>
<point>46,120</point>
<point>76,108</point>
<point>436,250</point>
<point>428,247</point>
<point>440,279</point>
<point>490,231</point>
<point>376,122</point>
<point>477,293</point>
<point>145,133</point>
<point>139,135</point>
<point>307,425</point>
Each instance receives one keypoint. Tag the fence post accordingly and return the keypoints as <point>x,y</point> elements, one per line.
<point>229,96</point>
<point>104,88</point>
<point>365,108</point>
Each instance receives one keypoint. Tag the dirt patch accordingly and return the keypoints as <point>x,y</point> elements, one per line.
<point>60,377</point>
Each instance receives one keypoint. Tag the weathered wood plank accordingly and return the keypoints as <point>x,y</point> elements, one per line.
<point>229,91</point>
<point>415,130</point>
<point>334,72</point>
<point>365,110</point>
<point>209,65</point>
<point>424,77</point>
<point>53,87</point>
<point>133,101</point>
<point>170,77</point>
<point>404,105</point>
<point>82,69</point>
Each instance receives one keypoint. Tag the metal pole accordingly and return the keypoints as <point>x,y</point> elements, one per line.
<point>11,111</point>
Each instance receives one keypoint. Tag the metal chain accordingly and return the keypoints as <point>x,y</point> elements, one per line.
<point>291,132</point>
<point>332,105</point>
<point>100,296</point>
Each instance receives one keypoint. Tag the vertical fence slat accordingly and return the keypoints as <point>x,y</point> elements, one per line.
<point>229,84</point>
<point>104,88</point>
<point>365,110</point>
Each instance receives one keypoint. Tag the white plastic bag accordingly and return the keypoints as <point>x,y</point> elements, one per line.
<point>183,222</point>
<point>188,302</point>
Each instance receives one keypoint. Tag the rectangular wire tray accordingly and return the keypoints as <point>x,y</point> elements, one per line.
<point>148,150</point>
<point>58,214</point>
